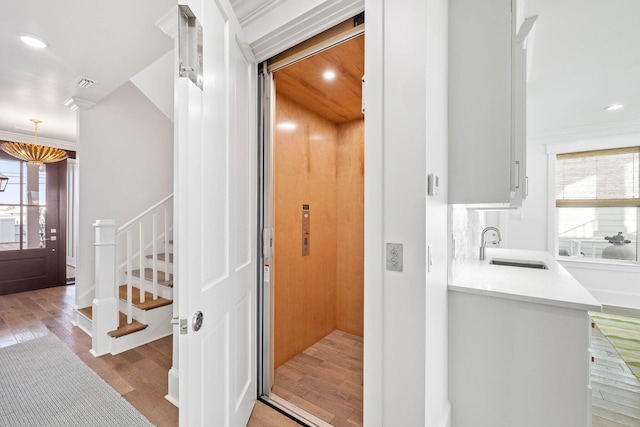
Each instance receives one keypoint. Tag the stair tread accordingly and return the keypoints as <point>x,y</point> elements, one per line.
<point>126,329</point>
<point>149,303</point>
<point>87,312</point>
<point>162,257</point>
<point>148,275</point>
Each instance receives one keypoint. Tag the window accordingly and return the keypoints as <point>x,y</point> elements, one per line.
<point>598,197</point>
<point>22,206</point>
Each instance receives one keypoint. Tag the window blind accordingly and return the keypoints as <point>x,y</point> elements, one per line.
<point>603,178</point>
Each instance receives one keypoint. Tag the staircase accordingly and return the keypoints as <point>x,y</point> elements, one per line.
<point>133,302</point>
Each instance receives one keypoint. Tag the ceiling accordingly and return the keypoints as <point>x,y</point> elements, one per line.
<point>584,57</point>
<point>338,100</point>
<point>106,41</point>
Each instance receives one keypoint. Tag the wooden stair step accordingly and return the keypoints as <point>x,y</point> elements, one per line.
<point>148,275</point>
<point>148,304</point>
<point>87,312</point>
<point>126,329</point>
<point>162,257</point>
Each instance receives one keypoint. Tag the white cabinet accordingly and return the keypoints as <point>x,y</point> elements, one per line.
<point>487,103</point>
<point>517,363</point>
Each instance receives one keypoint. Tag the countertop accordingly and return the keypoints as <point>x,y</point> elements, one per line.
<point>554,286</point>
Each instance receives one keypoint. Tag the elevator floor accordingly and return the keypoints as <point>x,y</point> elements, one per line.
<point>326,379</point>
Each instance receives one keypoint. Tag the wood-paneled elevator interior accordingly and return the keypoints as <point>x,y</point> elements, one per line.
<point>318,158</point>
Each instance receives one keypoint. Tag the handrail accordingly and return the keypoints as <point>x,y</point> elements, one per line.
<point>119,251</point>
<point>143,214</point>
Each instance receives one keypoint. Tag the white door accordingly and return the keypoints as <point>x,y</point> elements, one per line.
<point>215,225</point>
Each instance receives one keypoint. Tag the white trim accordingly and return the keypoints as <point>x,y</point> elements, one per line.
<point>594,143</point>
<point>596,264</point>
<point>48,142</point>
<point>74,104</point>
<point>299,28</point>
<point>168,23</point>
<point>586,132</point>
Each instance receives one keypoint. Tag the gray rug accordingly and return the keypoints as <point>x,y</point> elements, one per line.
<point>43,383</point>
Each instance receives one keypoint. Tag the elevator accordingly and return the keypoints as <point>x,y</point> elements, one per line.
<point>312,294</point>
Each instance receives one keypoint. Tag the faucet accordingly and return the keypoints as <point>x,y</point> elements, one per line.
<point>482,240</point>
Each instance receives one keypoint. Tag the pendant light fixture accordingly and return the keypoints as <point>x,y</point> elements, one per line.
<point>3,182</point>
<point>34,154</point>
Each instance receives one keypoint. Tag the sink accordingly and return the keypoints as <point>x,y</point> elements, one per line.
<point>519,263</point>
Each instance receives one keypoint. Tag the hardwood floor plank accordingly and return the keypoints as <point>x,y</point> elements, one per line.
<point>326,379</point>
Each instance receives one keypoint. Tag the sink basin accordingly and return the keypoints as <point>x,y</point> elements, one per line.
<point>519,263</point>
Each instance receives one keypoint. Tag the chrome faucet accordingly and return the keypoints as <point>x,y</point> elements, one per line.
<point>482,240</point>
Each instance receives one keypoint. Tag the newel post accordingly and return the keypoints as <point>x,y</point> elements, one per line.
<point>105,302</point>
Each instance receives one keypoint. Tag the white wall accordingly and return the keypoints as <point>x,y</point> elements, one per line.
<point>405,139</point>
<point>526,228</point>
<point>125,159</point>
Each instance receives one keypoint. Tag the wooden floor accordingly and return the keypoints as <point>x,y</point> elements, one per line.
<point>140,375</point>
<point>326,380</point>
<point>616,391</point>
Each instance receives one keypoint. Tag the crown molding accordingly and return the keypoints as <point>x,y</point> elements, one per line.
<point>75,104</point>
<point>294,25</point>
<point>168,23</point>
<point>585,132</point>
<point>48,142</point>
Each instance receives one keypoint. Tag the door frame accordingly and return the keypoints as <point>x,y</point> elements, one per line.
<point>266,117</point>
<point>56,194</point>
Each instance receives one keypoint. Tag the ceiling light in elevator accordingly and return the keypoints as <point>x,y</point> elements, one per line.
<point>329,75</point>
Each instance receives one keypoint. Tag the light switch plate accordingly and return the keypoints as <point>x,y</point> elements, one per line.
<point>394,256</point>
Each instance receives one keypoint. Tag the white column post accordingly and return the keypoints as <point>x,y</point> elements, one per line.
<point>105,302</point>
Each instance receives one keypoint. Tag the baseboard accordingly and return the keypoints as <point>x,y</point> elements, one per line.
<point>445,421</point>
<point>172,392</point>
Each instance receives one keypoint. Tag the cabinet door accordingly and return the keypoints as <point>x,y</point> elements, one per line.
<point>480,102</point>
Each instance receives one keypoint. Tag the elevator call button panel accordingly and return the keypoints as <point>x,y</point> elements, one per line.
<point>306,221</point>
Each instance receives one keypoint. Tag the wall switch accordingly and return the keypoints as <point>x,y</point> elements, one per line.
<point>433,184</point>
<point>394,257</point>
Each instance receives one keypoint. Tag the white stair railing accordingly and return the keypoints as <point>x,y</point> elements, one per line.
<point>118,252</point>
<point>132,249</point>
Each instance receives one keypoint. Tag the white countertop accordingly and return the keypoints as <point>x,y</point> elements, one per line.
<point>554,286</point>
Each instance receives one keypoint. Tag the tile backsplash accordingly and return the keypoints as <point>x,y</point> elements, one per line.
<point>466,227</point>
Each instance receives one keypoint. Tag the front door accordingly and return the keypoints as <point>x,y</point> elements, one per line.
<point>215,222</point>
<point>32,235</point>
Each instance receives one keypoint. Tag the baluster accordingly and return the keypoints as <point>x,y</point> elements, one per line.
<point>166,243</point>
<point>141,258</point>
<point>129,278</point>
<point>154,250</point>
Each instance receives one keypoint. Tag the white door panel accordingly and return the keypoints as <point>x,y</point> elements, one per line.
<point>216,235</point>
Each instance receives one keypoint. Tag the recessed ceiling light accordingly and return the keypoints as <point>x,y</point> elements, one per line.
<point>614,107</point>
<point>33,41</point>
<point>287,126</point>
<point>329,75</point>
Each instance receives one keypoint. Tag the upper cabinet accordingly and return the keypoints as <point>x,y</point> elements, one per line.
<point>487,103</point>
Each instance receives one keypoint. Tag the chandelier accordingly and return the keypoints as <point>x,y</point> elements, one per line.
<point>34,154</point>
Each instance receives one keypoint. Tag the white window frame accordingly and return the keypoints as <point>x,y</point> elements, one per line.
<point>573,146</point>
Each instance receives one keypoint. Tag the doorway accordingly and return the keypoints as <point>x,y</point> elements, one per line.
<point>32,225</point>
<point>313,284</point>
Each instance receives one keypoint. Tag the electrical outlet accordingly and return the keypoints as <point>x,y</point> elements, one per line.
<point>394,257</point>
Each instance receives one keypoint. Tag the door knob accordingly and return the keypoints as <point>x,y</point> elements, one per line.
<point>196,321</point>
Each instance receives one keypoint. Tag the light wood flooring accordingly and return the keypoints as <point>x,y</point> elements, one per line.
<point>140,375</point>
<point>616,391</point>
<point>326,380</point>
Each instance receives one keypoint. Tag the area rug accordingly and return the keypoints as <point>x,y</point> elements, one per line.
<point>43,383</point>
<point>624,334</point>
